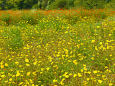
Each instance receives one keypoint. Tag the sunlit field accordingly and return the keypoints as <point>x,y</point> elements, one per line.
<point>57,47</point>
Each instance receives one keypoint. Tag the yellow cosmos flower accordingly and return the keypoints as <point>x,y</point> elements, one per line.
<point>2,66</point>
<point>17,63</point>
<point>98,26</point>
<point>54,81</point>
<point>27,64</point>
<point>93,41</point>
<point>110,84</point>
<point>47,68</point>
<point>26,60</point>
<point>95,71</point>
<point>18,73</point>
<point>79,75</point>
<point>10,79</point>
<point>35,63</point>
<point>100,81</point>
<point>75,62</point>
<point>28,73</point>
<point>6,64</point>
<point>74,75</point>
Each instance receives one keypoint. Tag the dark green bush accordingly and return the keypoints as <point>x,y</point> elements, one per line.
<point>29,19</point>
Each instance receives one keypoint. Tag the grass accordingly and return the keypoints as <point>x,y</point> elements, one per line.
<point>56,48</point>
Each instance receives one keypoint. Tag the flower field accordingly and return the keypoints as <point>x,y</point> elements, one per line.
<point>57,48</point>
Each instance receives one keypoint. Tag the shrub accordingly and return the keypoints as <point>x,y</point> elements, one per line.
<point>59,4</point>
<point>6,18</point>
<point>29,19</point>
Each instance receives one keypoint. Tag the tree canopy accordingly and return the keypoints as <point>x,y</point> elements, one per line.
<point>52,4</point>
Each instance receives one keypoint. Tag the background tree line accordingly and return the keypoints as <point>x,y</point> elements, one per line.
<point>55,4</point>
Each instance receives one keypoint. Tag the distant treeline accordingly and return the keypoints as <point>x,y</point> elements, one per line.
<point>55,4</point>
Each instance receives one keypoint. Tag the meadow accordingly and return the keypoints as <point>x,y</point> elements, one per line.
<point>57,47</point>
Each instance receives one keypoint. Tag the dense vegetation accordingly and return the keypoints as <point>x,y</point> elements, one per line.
<point>57,48</point>
<point>55,4</point>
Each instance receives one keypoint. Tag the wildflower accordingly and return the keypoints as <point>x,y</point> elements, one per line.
<point>26,60</point>
<point>2,76</point>
<point>17,63</point>
<point>47,68</point>
<point>6,64</point>
<point>10,79</point>
<point>54,81</point>
<point>34,73</point>
<point>33,85</point>
<point>27,64</point>
<point>100,43</point>
<point>100,81</point>
<point>93,41</point>
<point>110,84</point>
<point>96,48</point>
<point>74,75</point>
<point>28,73</point>
<point>95,71</point>
<point>98,26</point>
<point>75,62</point>
<point>20,83</point>
<point>2,66</point>
<point>79,75</point>
<point>35,63</point>
<point>92,58</point>
<point>18,73</point>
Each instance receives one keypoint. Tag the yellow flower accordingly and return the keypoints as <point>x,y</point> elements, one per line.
<point>18,73</point>
<point>74,75</point>
<point>100,43</point>
<point>79,75</point>
<point>110,84</point>
<point>33,85</point>
<point>98,26</point>
<point>81,70</point>
<point>27,64</point>
<point>2,76</point>
<point>34,73</point>
<point>95,71</point>
<point>17,63</point>
<point>26,60</point>
<point>100,81</point>
<point>28,73</point>
<point>75,62</point>
<point>54,81</point>
<point>92,58</point>
<point>66,76</point>
<point>47,68</point>
<point>20,83</point>
<point>10,79</point>
<point>96,48</point>
<point>6,64</point>
<point>2,66</point>
<point>92,41</point>
<point>35,63</point>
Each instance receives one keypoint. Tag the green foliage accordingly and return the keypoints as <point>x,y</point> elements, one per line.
<point>55,4</point>
<point>6,18</point>
<point>91,4</point>
<point>13,38</point>
<point>29,19</point>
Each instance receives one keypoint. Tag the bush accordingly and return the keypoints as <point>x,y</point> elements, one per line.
<point>29,19</point>
<point>6,18</point>
<point>59,4</point>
